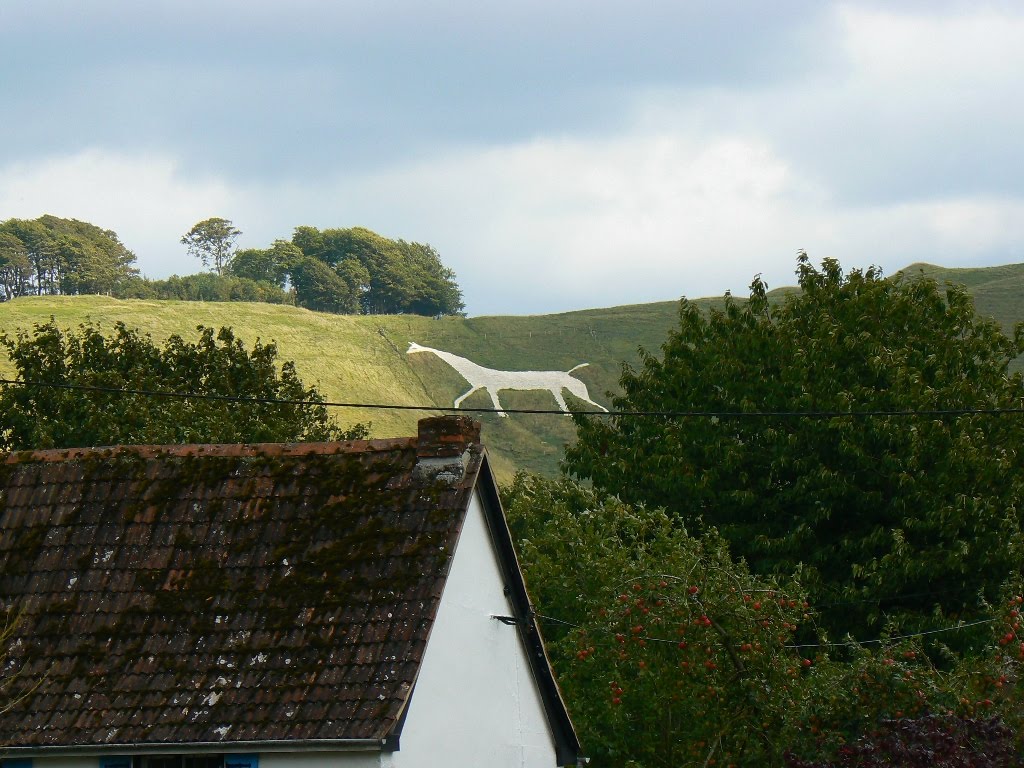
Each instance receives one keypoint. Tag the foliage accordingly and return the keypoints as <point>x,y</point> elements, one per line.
<point>337,270</point>
<point>212,241</point>
<point>266,265</point>
<point>386,276</point>
<point>884,517</point>
<point>15,267</point>
<point>50,255</point>
<point>205,286</point>
<point>217,364</point>
<point>930,741</point>
<point>670,653</point>
<point>322,289</point>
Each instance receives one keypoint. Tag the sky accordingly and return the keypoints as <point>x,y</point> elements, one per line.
<point>558,155</point>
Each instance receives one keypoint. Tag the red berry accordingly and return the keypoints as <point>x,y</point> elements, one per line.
<point>693,590</point>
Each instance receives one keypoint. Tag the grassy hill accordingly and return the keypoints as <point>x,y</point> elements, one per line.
<point>361,359</point>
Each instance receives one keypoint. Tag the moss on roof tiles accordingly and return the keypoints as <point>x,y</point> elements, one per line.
<point>272,571</point>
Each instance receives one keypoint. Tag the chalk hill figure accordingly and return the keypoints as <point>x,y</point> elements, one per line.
<point>493,381</point>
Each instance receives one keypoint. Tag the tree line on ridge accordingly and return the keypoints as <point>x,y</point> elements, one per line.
<point>345,271</point>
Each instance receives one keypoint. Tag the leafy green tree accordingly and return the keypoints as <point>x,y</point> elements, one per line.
<point>387,276</point>
<point>212,241</point>
<point>270,265</point>
<point>41,251</point>
<point>435,291</point>
<point>670,653</point>
<point>322,289</point>
<point>64,256</point>
<point>89,260</point>
<point>883,516</point>
<point>207,286</point>
<point>216,364</point>
<point>15,267</point>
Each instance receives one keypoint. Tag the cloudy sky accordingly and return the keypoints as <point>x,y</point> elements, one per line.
<point>559,155</point>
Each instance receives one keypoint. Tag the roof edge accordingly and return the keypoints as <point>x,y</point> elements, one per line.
<point>203,747</point>
<point>567,745</point>
<point>467,484</point>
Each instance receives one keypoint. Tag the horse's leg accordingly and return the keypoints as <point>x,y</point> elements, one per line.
<point>557,392</point>
<point>494,399</point>
<point>467,394</point>
<point>596,405</point>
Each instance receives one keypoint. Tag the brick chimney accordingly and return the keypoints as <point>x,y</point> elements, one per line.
<point>446,436</point>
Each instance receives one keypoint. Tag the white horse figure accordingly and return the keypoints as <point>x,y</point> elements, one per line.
<point>493,381</point>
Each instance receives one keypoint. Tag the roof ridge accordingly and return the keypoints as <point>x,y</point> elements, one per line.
<point>227,450</point>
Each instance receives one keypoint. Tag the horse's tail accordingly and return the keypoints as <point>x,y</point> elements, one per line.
<point>577,367</point>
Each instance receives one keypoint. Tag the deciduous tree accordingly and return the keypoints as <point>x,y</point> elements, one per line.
<point>15,267</point>
<point>884,516</point>
<point>51,255</point>
<point>212,241</point>
<point>670,653</point>
<point>33,415</point>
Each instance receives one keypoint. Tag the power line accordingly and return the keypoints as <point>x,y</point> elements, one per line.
<point>879,641</point>
<point>829,414</point>
<point>844,644</point>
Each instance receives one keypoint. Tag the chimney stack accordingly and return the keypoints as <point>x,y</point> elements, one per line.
<point>446,436</point>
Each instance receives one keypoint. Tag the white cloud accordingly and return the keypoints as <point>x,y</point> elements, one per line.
<point>142,197</point>
<point>548,225</point>
<point>900,144</point>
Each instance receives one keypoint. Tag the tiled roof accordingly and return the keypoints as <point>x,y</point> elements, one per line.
<point>225,593</point>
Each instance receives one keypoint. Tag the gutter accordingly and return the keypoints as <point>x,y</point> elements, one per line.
<point>206,747</point>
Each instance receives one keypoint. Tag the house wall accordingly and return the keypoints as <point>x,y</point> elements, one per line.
<point>475,702</point>
<point>321,760</point>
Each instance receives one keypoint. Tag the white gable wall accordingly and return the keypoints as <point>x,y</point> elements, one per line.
<point>475,702</point>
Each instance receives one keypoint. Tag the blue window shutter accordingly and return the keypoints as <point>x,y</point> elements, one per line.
<point>116,761</point>
<point>241,761</point>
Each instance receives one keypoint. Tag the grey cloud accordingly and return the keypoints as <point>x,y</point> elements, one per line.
<point>274,89</point>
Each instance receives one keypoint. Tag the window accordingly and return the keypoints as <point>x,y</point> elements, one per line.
<point>163,761</point>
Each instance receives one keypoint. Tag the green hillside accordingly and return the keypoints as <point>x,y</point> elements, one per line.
<point>998,291</point>
<point>362,359</point>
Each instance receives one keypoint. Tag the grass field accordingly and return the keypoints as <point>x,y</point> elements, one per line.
<point>361,359</point>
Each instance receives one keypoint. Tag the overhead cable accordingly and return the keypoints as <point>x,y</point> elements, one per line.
<point>826,414</point>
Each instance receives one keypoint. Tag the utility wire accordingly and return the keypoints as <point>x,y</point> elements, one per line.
<point>879,641</point>
<point>830,414</point>
<point>846,643</point>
